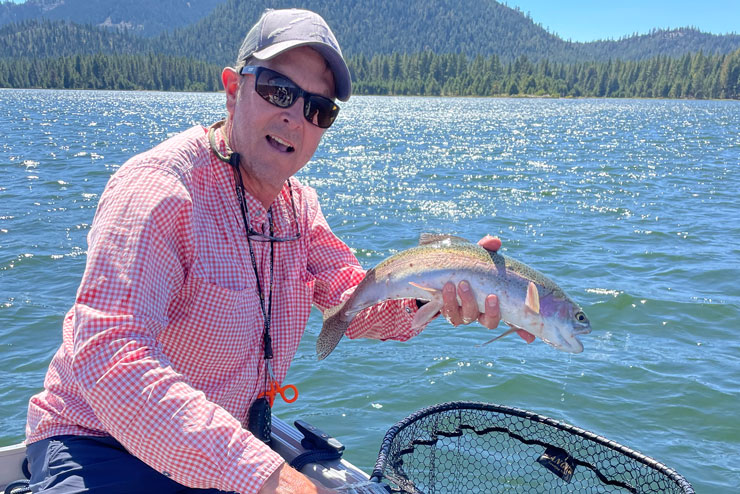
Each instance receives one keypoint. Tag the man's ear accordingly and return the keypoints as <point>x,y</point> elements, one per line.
<point>230,80</point>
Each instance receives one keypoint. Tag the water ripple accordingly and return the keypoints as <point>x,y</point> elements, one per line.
<point>630,205</point>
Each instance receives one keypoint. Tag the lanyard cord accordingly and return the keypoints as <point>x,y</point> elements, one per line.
<point>266,312</point>
<point>259,412</point>
<point>233,160</point>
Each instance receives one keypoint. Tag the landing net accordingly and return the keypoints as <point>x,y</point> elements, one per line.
<point>468,447</point>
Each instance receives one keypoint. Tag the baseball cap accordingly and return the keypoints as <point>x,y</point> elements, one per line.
<point>280,30</point>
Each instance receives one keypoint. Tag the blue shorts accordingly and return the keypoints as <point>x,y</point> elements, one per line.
<point>73,464</point>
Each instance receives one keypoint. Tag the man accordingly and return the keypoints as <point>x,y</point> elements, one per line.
<point>204,258</point>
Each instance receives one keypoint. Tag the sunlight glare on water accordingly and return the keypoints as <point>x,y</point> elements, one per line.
<point>629,205</point>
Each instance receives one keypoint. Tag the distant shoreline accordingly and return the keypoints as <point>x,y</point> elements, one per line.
<point>498,96</point>
<point>692,76</point>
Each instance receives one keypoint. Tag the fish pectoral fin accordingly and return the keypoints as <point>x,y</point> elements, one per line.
<point>425,288</point>
<point>532,302</point>
<point>512,330</point>
<point>426,313</point>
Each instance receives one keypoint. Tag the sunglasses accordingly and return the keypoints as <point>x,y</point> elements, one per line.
<point>279,90</point>
<point>263,237</point>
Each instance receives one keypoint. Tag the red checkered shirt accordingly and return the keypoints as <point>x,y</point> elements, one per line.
<point>163,347</point>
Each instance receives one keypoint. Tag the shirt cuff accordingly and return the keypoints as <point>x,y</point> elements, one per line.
<point>253,467</point>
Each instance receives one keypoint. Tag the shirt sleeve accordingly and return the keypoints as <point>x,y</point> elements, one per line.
<point>338,272</point>
<point>140,247</point>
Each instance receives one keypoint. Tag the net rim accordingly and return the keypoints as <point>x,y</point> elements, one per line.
<point>390,435</point>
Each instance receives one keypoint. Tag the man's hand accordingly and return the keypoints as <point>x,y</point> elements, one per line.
<point>288,480</point>
<point>467,311</point>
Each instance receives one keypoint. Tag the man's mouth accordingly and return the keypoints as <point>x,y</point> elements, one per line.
<point>280,144</point>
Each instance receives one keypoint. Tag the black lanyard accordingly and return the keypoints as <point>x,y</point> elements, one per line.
<point>266,311</point>
<point>233,159</point>
<point>260,412</point>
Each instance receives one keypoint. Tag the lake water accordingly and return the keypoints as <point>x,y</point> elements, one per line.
<point>630,205</point>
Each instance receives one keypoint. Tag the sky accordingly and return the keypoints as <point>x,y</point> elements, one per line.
<point>590,20</point>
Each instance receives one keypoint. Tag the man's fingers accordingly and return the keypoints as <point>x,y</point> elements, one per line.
<point>460,305</point>
<point>451,309</point>
<point>490,243</point>
<point>492,315</point>
<point>469,306</point>
<point>468,312</point>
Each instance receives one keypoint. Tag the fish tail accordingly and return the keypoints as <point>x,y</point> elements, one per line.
<point>332,331</point>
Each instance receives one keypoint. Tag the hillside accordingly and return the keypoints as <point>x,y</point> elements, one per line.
<point>40,39</point>
<point>421,47</point>
<point>470,27</point>
<point>660,42</point>
<point>141,17</point>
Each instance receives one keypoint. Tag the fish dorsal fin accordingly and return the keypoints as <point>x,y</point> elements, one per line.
<point>443,238</point>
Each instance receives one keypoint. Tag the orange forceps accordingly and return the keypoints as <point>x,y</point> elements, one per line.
<point>275,389</point>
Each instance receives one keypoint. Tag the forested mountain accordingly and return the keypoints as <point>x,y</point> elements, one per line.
<point>691,76</point>
<point>696,76</point>
<point>659,42</point>
<point>470,27</point>
<point>47,39</point>
<point>142,17</point>
<point>428,47</point>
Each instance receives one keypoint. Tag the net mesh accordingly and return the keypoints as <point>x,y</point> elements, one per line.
<point>466,447</point>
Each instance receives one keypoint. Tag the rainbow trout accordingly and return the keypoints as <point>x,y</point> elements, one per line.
<point>528,299</point>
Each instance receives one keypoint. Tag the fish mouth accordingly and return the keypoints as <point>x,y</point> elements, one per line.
<point>572,345</point>
<point>566,342</point>
<point>567,338</point>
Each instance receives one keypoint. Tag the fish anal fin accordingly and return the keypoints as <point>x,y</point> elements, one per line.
<point>532,302</point>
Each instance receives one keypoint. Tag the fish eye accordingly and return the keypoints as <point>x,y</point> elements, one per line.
<point>581,317</point>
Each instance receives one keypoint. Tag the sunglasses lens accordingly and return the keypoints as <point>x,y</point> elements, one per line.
<point>276,89</point>
<point>320,111</point>
<point>280,91</point>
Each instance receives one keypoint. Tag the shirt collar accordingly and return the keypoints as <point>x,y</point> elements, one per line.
<point>282,210</point>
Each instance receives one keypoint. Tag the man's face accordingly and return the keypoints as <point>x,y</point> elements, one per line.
<point>274,143</point>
